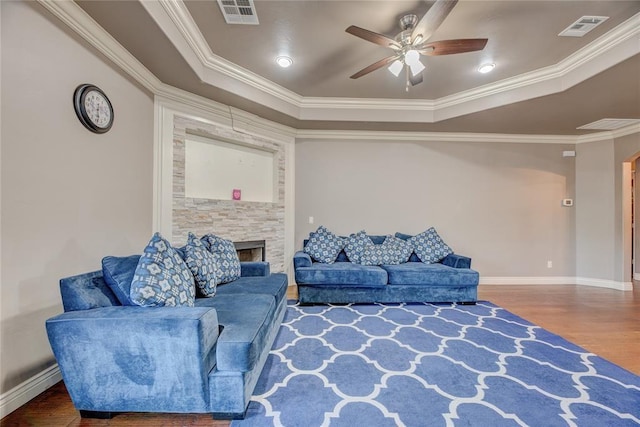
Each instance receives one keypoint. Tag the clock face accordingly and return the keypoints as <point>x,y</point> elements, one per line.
<point>97,108</point>
<point>93,108</point>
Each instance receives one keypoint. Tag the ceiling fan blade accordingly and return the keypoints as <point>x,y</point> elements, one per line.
<point>449,47</point>
<point>372,37</point>
<point>415,80</point>
<point>375,66</point>
<point>433,19</point>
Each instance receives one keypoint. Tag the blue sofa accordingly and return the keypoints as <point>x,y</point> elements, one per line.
<point>450,280</point>
<point>203,359</point>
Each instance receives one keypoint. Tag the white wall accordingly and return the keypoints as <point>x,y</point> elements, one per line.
<point>69,197</point>
<point>497,203</point>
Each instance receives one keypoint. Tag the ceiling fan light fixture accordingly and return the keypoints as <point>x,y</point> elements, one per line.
<point>284,61</point>
<point>416,68</point>
<point>396,67</point>
<point>412,57</point>
<point>485,68</point>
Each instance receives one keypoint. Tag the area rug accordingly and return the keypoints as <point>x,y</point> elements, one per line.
<point>433,365</point>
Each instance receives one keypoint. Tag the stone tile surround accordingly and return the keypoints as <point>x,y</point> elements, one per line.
<point>233,220</point>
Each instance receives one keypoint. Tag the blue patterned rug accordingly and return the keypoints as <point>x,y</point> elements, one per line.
<point>434,365</point>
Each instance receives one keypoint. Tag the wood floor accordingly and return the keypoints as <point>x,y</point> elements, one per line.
<point>603,321</point>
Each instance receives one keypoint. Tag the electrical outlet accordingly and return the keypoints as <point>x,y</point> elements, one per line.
<point>310,220</point>
<point>549,264</point>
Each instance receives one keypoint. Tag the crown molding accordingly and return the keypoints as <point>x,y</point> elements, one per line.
<point>433,137</point>
<point>608,135</point>
<point>79,21</point>
<point>175,20</point>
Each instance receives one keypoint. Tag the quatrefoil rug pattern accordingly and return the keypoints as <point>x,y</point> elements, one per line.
<point>434,365</point>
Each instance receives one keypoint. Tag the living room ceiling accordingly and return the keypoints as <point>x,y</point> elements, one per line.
<point>542,83</point>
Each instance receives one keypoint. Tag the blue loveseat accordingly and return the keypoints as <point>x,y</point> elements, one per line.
<point>341,282</point>
<point>202,359</point>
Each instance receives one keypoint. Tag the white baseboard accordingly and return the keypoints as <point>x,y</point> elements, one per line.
<point>519,280</point>
<point>22,393</point>
<point>636,276</point>
<point>603,283</point>
<point>557,280</point>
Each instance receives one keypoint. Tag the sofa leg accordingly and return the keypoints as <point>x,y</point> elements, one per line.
<point>229,415</point>
<point>100,415</point>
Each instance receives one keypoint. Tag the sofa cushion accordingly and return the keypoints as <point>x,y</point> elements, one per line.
<point>274,285</point>
<point>202,264</point>
<point>355,246</point>
<point>118,273</point>
<point>246,320</point>
<point>226,257</point>
<point>161,277</point>
<point>429,246</point>
<point>417,273</point>
<point>324,246</point>
<point>341,273</point>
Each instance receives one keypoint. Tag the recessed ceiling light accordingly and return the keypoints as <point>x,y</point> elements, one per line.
<point>485,68</point>
<point>284,61</point>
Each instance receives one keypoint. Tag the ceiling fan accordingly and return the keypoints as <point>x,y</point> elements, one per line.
<point>412,42</point>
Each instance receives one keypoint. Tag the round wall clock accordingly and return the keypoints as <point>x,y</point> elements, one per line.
<point>93,108</point>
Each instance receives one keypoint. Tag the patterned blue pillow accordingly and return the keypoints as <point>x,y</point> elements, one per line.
<point>324,246</point>
<point>202,264</point>
<point>429,246</point>
<point>225,256</point>
<point>355,245</point>
<point>162,278</point>
<point>390,252</point>
<point>400,250</point>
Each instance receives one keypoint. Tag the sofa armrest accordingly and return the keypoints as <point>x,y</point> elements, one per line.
<point>256,268</point>
<point>301,259</point>
<point>457,261</point>
<point>136,359</point>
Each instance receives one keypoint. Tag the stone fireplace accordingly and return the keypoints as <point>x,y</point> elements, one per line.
<point>237,220</point>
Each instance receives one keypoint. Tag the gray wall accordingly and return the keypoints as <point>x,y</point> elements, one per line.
<point>69,197</point>
<point>599,220</point>
<point>595,210</point>
<point>626,148</point>
<point>498,203</point>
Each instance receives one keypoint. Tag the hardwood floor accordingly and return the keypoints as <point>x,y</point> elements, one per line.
<point>603,321</point>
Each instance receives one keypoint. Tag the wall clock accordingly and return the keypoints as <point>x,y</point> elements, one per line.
<point>93,108</point>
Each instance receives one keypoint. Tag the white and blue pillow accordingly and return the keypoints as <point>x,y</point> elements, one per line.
<point>202,264</point>
<point>226,257</point>
<point>390,252</point>
<point>400,250</point>
<point>161,277</point>
<point>324,246</point>
<point>355,245</point>
<point>429,246</point>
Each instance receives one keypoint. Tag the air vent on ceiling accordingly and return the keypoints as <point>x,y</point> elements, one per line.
<point>610,124</point>
<point>239,11</point>
<point>582,26</point>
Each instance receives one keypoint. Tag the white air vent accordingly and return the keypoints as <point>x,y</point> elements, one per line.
<point>239,11</point>
<point>582,26</point>
<point>610,124</point>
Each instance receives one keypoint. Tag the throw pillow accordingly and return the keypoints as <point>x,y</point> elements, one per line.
<point>118,272</point>
<point>202,264</point>
<point>324,246</point>
<point>161,277</point>
<point>400,250</point>
<point>429,246</point>
<point>226,257</point>
<point>355,246</point>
